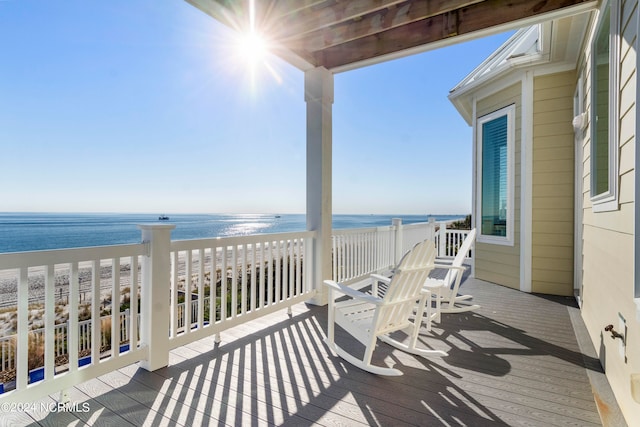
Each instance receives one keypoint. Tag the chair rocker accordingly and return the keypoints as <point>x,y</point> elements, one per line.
<point>368,317</point>
<point>445,291</point>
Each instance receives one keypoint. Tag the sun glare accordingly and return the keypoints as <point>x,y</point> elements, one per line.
<point>252,48</point>
<point>251,51</point>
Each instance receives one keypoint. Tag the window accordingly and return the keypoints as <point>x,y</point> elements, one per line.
<point>496,134</point>
<point>604,91</point>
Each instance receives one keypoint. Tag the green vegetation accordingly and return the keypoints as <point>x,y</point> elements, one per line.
<point>464,224</point>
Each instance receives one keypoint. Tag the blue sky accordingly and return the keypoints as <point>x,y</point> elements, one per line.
<point>143,106</point>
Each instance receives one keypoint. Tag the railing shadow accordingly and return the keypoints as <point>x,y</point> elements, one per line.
<point>284,374</point>
<point>279,375</point>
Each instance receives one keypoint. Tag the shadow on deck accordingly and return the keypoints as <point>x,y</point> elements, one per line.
<point>515,361</point>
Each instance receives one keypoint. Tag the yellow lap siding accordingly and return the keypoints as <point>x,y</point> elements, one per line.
<point>552,211</point>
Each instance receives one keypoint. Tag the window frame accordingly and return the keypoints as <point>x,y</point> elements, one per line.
<point>606,200</point>
<point>510,112</point>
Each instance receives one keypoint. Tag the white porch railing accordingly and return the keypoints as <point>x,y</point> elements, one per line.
<point>228,281</point>
<point>449,245</point>
<point>241,278</point>
<point>359,252</point>
<point>46,353</point>
<point>103,273</point>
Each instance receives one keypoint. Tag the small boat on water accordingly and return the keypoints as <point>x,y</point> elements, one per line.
<point>163,218</point>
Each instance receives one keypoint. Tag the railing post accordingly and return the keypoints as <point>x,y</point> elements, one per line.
<point>397,224</point>
<point>442,247</point>
<point>431,229</point>
<point>155,308</point>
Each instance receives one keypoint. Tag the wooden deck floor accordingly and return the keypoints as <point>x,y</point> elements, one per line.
<point>514,362</point>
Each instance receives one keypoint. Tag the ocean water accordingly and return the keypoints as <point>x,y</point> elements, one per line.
<point>43,231</point>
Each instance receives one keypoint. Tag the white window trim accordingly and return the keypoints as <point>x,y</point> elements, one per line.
<point>608,200</point>
<point>510,112</point>
<point>636,299</point>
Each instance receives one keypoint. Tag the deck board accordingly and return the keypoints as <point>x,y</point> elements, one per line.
<point>514,362</point>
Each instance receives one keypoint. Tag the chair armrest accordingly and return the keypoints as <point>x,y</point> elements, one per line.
<point>352,292</point>
<point>450,267</point>
<point>375,278</point>
<point>381,278</point>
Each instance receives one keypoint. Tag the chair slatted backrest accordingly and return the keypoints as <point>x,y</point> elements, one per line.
<point>406,286</point>
<point>460,256</point>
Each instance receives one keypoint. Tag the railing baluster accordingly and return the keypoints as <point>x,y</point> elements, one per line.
<point>201,296</point>
<point>253,277</point>
<point>292,266</point>
<point>263,272</point>
<point>49,321</point>
<point>299,250</point>
<point>276,267</point>
<point>96,326</point>
<point>234,281</point>
<point>188,319</point>
<point>72,329</point>
<point>213,300</point>
<point>115,307</point>
<point>223,288</point>
<point>243,287</point>
<point>269,273</point>
<point>133,305</point>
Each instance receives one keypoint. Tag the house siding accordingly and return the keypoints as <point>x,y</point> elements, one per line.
<point>605,256</point>
<point>500,263</point>
<point>608,237</point>
<point>553,184</point>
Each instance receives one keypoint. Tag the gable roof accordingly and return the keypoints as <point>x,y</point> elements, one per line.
<point>556,44</point>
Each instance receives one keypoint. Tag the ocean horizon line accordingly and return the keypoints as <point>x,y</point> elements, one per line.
<point>34,231</point>
<point>217,213</point>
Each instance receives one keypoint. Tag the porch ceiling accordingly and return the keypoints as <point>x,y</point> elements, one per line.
<point>342,35</point>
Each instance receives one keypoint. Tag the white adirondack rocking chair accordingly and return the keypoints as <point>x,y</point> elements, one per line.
<point>445,291</point>
<point>368,317</point>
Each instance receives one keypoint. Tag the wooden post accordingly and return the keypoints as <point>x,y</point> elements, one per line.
<point>155,308</point>
<point>442,246</point>
<point>397,225</point>
<point>431,229</point>
<point>319,98</point>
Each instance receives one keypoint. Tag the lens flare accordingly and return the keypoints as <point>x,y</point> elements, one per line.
<point>252,48</point>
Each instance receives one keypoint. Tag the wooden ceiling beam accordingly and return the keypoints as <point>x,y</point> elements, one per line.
<point>464,20</point>
<point>310,20</point>
<point>403,14</point>
<point>284,8</point>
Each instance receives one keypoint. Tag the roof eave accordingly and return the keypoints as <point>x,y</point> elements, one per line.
<point>460,97</point>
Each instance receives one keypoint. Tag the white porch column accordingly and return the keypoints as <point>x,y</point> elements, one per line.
<point>155,308</point>
<point>319,98</point>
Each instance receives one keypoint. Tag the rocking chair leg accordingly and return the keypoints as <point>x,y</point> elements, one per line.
<point>331,322</point>
<point>418,319</point>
